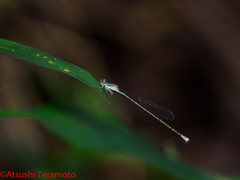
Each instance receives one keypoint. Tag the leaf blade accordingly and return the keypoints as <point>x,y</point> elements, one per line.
<point>46,60</point>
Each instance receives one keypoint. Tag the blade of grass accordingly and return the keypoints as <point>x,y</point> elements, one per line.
<point>46,60</point>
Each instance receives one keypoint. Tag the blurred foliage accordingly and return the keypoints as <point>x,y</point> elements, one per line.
<point>103,134</point>
<point>2,88</point>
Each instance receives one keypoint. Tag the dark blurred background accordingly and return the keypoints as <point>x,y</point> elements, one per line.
<point>183,55</point>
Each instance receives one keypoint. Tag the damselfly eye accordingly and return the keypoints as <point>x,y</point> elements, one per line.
<point>104,81</point>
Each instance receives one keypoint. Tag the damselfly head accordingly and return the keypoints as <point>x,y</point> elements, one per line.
<point>103,81</point>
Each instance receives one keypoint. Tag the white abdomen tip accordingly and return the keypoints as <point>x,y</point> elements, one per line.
<point>185,138</point>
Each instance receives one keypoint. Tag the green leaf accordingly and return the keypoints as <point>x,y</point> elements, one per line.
<point>101,134</point>
<point>46,60</point>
